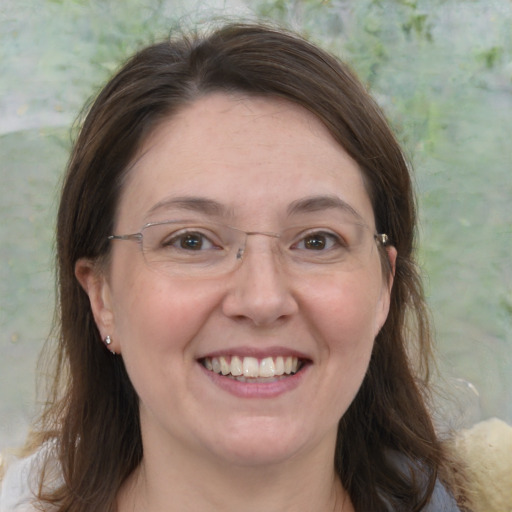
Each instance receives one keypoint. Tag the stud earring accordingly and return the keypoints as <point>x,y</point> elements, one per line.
<point>108,342</point>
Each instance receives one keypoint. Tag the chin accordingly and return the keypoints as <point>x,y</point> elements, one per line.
<point>261,442</point>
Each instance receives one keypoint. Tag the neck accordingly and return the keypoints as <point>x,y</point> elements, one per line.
<point>174,482</point>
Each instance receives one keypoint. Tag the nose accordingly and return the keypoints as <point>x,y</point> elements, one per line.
<point>259,290</point>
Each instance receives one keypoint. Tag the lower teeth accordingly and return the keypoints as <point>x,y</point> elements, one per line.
<point>258,379</point>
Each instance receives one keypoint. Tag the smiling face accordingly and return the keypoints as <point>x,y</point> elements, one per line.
<point>260,165</point>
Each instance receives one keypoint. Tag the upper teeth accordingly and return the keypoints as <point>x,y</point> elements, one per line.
<point>251,366</point>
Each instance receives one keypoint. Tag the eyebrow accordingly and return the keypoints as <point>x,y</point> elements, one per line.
<point>194,204</point>
<point>323,202</point>
<point>211,207</point>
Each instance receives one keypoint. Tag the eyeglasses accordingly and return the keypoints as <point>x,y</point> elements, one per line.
<point>186,248</point>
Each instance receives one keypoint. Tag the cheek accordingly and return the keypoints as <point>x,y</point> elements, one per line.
<point>344,315</point>
<point>349,338</point>
<point>349,358</point>
<point>157,321</point>
<point>155,315</point>
<point>346,310</point>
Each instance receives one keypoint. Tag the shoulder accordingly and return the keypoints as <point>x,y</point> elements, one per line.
<point>16,492</point>
<point>441,500</point>
<point>21,481</point>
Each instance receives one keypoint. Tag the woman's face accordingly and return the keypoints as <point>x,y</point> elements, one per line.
<point>258,165</point>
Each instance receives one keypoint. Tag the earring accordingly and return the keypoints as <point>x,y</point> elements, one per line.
<point>108,342</point>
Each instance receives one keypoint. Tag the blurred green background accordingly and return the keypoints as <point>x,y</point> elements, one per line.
<point>442,71</point>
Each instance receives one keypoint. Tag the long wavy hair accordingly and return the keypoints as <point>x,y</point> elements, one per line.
<point>90,424</point>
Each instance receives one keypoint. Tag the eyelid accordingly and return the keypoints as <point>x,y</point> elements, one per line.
<point>211,234</point>
<point>193,230</point>
<point>305,231</point>
<point>221,232</point>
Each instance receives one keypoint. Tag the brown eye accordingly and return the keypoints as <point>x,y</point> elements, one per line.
<point>318,241</point>
<point>191,241</point>
<point>188,241</point>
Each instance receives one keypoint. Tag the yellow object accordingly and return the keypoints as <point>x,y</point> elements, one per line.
<point>486,449</point>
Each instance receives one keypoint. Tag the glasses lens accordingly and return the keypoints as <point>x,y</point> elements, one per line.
<point>181,247</point>
<point>331,248</point>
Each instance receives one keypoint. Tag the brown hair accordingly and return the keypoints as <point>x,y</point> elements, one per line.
<point>92,416</point>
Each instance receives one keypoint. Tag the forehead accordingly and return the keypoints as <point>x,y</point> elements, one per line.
<point>253,156</point>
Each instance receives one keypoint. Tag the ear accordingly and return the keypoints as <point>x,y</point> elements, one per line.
<point>392,255</point>
<point>387,285</point>
<point>96,285</point>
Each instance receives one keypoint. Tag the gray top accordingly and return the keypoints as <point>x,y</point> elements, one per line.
<point>442,501</point>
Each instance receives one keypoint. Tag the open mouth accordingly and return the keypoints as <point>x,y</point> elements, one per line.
<point>252,369</point>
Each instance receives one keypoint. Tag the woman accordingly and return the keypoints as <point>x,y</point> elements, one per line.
<point>237,294</point>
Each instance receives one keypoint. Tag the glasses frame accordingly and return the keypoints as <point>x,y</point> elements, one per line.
<point>382,239</point>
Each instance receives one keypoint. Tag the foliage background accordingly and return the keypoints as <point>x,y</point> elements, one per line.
<point>441,69</point>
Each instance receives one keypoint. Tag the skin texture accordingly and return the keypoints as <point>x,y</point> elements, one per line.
<point>255,157</point>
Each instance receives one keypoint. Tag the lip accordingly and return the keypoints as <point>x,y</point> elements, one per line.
<point>257,389</point>
<point>254,390</point>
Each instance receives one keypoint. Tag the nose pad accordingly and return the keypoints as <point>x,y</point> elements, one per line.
<point>241,250</point>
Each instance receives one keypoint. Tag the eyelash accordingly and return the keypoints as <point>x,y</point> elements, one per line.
<point>179,236</point>
<point>334,238</point>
